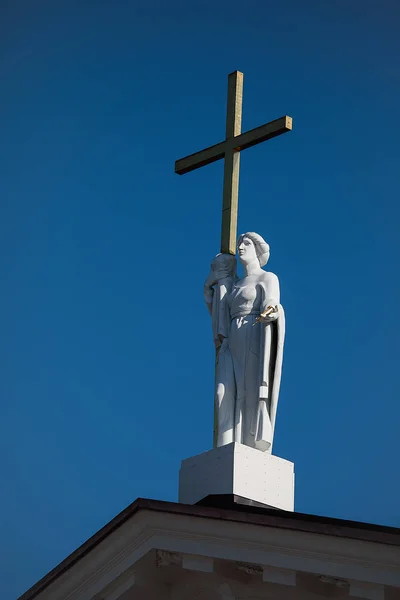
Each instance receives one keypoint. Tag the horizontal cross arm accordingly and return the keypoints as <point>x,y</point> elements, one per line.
<point>262,133</point>
<point>200,159</point>
<point>240,142</point>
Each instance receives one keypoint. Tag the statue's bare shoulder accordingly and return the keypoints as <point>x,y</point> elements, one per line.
<point>270,283</point>
<point>269,278</point>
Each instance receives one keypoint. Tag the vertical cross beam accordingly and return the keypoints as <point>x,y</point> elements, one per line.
<point>229,150</point>
<point>232,164</point>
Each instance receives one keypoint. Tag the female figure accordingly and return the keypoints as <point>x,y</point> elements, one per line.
<point>249,361</point>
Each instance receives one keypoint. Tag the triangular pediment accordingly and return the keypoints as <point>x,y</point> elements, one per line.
<point>164,550</point>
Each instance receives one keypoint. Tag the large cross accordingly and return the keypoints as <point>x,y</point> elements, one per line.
<point>229,150</point>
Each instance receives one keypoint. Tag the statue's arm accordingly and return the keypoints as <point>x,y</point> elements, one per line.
<point>219,281</point>
<point>270,293</point>
<point>209,291</point>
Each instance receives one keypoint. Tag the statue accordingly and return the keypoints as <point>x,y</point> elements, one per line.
<point>248,325</point>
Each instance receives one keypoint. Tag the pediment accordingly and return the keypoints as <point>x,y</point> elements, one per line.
<point>162,554</point>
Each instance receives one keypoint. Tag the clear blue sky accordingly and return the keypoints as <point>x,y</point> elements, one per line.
<point>106,351</point>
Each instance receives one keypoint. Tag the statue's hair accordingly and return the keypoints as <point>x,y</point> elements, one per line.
<point>261,246</point>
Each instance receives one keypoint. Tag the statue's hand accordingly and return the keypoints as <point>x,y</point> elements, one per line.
<point>222,267</point>
<point>269,317</point>
<point>222,273</point>
<point>215,276</point>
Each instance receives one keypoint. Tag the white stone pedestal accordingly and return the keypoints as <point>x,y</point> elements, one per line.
<point>239,470</point>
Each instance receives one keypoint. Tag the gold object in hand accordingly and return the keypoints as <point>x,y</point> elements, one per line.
<point>265,313</point>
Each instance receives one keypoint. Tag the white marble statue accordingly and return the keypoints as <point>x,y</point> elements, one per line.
<point>248,324</point>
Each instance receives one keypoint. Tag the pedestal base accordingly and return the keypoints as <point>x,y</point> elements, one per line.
<point>239,470</point>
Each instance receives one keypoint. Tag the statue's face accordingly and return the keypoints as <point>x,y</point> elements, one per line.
<point>247,251</point>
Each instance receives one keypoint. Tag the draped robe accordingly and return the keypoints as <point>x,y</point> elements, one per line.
<point>249,359</point>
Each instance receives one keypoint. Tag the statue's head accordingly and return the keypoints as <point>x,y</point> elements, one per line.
<point>252,246</point>
<point>224,262</point>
